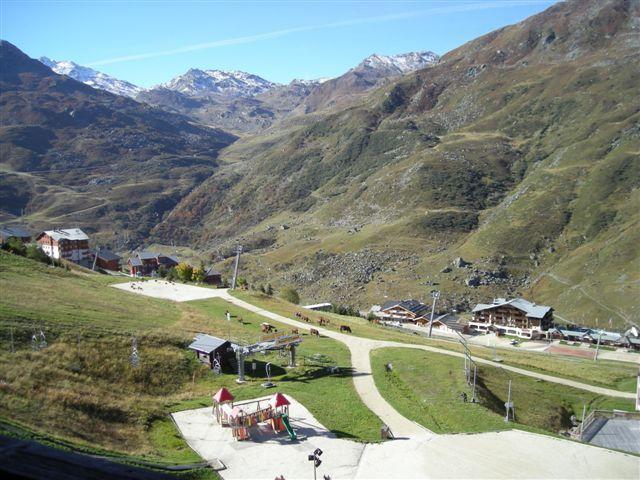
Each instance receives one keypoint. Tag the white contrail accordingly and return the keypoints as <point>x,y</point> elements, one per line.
<point>288,31</point>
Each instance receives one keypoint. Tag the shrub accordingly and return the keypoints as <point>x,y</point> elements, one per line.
<point>290,295</point>
<point>198,274</point>
<point>453,221</point>
<point>184,271</point>
<point>268,289</point>
<point>172,275</point>
<point>15,246</point>
<point>34,253</point>
<point>162,271</point>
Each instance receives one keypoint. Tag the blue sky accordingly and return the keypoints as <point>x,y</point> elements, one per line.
<point>150,41</point>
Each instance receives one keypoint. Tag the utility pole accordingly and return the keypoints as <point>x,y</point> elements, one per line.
<point>95,259</point>
<point>435,294</point>
<point>595,357</point>
<point>235,267</point>
<point>509,404</point>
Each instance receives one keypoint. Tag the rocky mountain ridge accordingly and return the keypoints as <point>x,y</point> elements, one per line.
<point>92,77</point>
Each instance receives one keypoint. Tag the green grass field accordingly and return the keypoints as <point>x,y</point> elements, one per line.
<point>426,388</point>
<point>617,375</point>
<point>83,390</point>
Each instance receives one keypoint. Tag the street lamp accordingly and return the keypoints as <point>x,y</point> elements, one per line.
<point>435,294</point>
<point>315,458</point>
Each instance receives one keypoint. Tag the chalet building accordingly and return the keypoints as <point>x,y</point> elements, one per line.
<point>212,277</point>
<point>569,334</point>
<point>145,264</point>
<point>107,260</point>
<point>512,317</point>
<point>210,349</point>
<point>402,311</point>
<point>447,323</point>
<point>19,233</point>
<point>69,244</point>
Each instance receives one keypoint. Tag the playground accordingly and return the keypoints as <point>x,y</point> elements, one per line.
<point>266,453</point>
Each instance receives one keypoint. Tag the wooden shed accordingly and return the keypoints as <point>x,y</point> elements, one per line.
<point>209,349</point>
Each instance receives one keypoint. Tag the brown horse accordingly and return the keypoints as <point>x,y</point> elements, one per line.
<point>315,332</point>
<point>345,328</point>
<point>295,331</point>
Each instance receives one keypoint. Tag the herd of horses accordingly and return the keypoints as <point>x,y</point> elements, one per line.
<point>321,322</point>
<point>268,328</point>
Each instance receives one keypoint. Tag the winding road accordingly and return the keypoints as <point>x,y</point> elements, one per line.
<point>360,349</point>
<point>363,378</point>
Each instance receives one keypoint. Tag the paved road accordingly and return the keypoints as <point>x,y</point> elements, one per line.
<point>363,379</point>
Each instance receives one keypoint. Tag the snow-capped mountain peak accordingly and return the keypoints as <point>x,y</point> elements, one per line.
<point>92,77</point>
<point>201,82</point>
<point>402,63</point>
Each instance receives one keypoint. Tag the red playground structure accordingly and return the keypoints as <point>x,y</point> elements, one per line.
<point>242,416</point>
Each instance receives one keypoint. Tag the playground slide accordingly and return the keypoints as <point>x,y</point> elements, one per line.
<point>287,425</point>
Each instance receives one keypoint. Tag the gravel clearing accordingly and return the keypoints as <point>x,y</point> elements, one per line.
<point>178,292</point>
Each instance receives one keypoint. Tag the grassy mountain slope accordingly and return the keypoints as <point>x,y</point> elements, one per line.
<point>82,388</point>
<point>517,151</point>
<point>71,154</point>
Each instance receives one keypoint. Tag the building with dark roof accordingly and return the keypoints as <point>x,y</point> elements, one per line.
<point>402,310</point>
<point>212,276</point>
<point>19,233</point>
<point>517,317</point>
<point>210,349</point>
<point>107,260</point>
<point>142,264</point>
<point>447,323</point>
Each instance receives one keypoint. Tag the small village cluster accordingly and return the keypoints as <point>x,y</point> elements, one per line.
<point>72,244</point>
<point>516,317</point>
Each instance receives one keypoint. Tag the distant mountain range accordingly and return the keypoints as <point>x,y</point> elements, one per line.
<point>92,77</point>
<point>206,82</point>
<point>196,82</point>
<point>242,102</point>
<point>109,162</point>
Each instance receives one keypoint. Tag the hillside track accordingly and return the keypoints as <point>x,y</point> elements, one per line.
<point>363,379</point>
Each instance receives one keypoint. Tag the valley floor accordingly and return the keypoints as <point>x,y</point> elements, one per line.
<point>434,454</point>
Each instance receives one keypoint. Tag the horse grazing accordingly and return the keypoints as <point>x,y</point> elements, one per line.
<point>345,328</point>
<point>305,318</point>
<point>267,328</point>
<point>315,332</point>
<point>295,331</point>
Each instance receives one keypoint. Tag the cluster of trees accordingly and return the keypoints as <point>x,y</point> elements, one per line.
<point>15,246</point>
<point>345,310</point>
<point>289,294</point>
<point>184,272</point>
